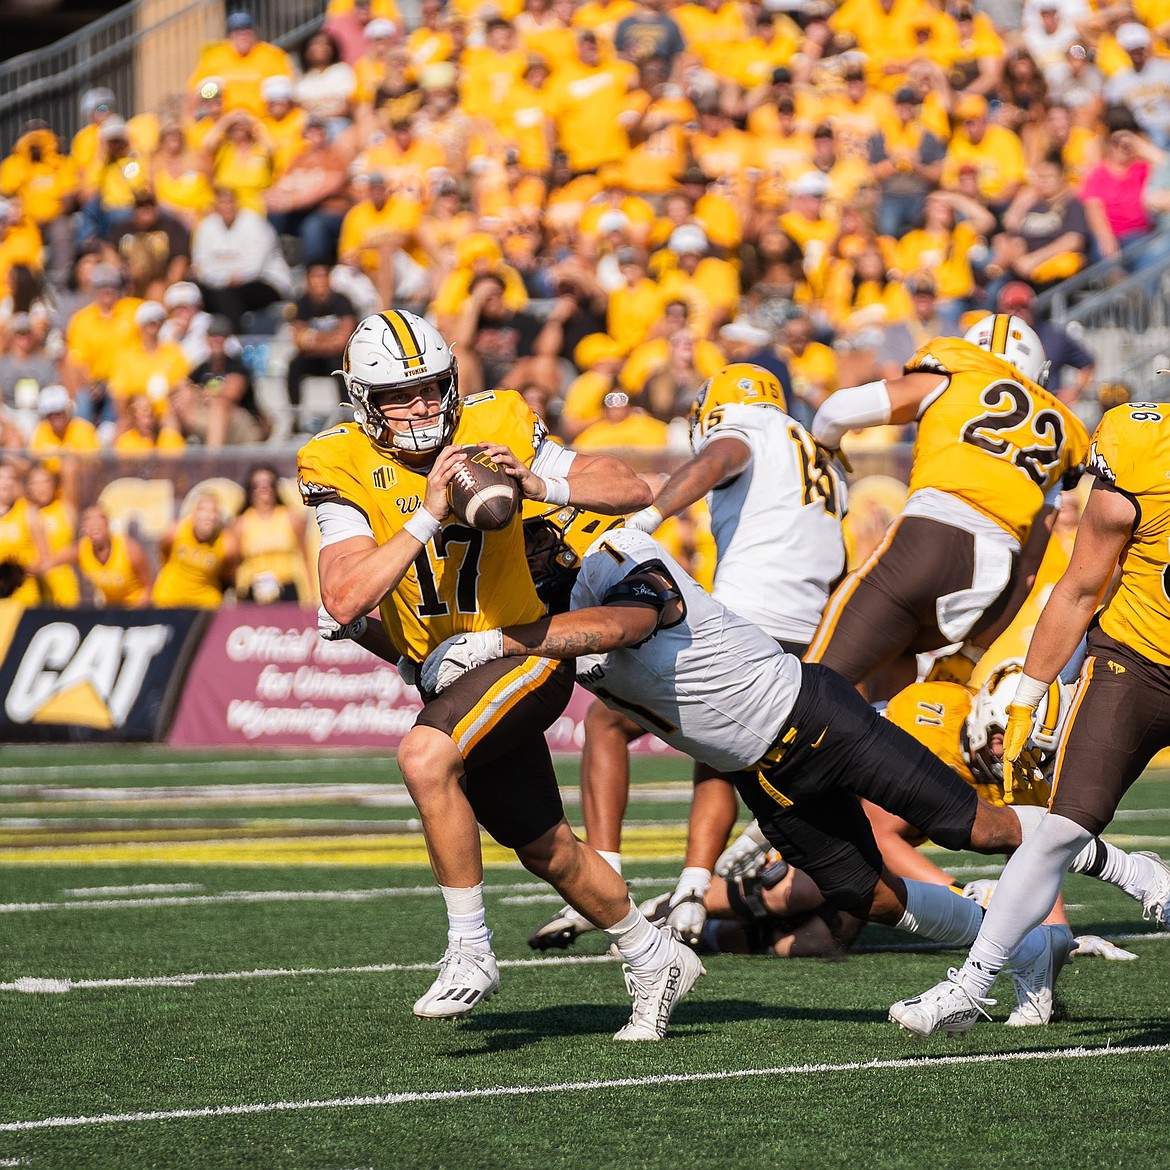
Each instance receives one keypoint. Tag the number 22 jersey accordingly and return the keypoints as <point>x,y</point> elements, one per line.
<point>991,437</point>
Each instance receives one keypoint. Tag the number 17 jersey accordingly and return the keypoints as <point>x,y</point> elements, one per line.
<point>463,579</point>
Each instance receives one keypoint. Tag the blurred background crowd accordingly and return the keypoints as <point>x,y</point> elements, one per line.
<point>600,203</point>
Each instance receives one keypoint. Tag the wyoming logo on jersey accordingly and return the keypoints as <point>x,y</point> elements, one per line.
<point>384,478</point>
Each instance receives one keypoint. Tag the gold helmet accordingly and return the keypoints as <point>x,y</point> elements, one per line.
<point>556,537</point>
<point>742,382</point>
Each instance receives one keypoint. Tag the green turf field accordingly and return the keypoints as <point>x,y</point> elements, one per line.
<point>209,961</point>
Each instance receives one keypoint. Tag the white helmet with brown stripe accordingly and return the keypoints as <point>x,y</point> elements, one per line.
<point>989,717</point>
<point>392,352</point>
<point>1014,340</point>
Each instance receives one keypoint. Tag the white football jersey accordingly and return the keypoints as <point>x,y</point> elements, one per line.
<point>714,685</point>
<point>777,525</point>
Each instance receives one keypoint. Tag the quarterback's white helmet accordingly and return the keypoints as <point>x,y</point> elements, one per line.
<point>395,350</point>
<point>989,717</point>
<point>1014,340</point>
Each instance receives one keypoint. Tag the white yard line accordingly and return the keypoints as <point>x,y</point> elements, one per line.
<point>908,1064</point>
<point>237,897</point>
<point>150,888</point>
<point>35,984</point>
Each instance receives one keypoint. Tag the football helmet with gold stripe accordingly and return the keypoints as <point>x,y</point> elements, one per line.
<point>1014,340</point>
<point>396,352</point>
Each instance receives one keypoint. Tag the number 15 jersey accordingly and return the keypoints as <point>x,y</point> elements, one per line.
<point>777,525</point>
<point>463,579</point>
<point>991,437</point>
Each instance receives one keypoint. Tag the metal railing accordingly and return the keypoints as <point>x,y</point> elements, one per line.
<point>1056,302</point>
<point>142,51</point>
<point>1127,329</point>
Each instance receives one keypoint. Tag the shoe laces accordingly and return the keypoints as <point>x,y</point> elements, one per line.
<point>974,1000</point>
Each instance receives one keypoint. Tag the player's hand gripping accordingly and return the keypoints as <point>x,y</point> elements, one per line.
<point>531,485</point>
<point>1017,769</point>
<point>331,630</point>
<point>457,655</point>
<point>440,475</point>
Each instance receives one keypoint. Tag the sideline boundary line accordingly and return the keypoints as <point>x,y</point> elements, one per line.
<point>910,1064</point>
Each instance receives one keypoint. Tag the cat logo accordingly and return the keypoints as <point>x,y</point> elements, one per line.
<point>93,682</point>
<point>1116,667</point>
<point>384,477</point>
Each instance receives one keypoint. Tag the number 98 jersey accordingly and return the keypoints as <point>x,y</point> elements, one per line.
<point>463,579</point>
<point>992,438</point>
<point>1131,452</point>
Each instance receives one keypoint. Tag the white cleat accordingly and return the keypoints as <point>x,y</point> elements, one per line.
<point>947,1007</point>
<point>1035,977</point>
<point>560,931</point>
<point>1156,897</point>
<point>657,994</point>
<point>466,979</point>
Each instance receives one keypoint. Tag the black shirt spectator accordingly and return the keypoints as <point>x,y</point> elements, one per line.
<point>322,323</point>
<point>649,34</point>
<point>151,246</point>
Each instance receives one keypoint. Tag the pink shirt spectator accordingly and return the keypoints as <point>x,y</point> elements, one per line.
<point>1120,193</point>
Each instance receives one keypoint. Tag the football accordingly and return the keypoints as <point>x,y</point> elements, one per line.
<point>482,493</point>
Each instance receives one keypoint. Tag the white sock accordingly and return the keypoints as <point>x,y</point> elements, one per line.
<point>939,913</point>
<point>642,945</point>
<point>1025,895</point>
<point>613,860</point>
<point>466,920</point>
<point>694,880</point>
<point>1029,816</point>
<point>1099,859</point>
<point>1126,871</point>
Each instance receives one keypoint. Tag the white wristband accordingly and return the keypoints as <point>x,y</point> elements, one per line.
<point>422,525</point>
<point>556,489</point>
<point>1030,691</point>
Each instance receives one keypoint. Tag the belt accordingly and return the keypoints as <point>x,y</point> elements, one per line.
<point>781,746</point>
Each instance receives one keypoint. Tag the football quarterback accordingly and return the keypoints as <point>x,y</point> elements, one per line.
<point>476,753</point>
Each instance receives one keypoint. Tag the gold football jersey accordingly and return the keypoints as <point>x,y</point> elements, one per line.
<point>934,713</point>
<point>1131,452</point>
<point>464,579</point>
<point>992,438</point>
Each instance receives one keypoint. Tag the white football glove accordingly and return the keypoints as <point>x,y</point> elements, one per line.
<point>457,655</point>
<point>1094,944</point>
<point>687,915</point>
<point>980,891</point>
<point>331,630</point>
<point>647,520</point>
<point>745,856</point>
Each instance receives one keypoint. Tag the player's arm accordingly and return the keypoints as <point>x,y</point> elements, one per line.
<point>1105,529</point>
<point>721,459</point>
<point>891,400</point>
<point>601,483</point>
<point>357,572</point>
<point>631,611</point>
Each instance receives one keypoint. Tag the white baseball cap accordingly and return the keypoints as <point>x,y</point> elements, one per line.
<point>183,292</point>
<point>149,311</point>
<point>54,399</point>
<point>1132,35</point>
<point>810,183</point>
<point>688,238</point>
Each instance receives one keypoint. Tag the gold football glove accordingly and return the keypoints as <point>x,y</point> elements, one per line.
<point>1016,770</point>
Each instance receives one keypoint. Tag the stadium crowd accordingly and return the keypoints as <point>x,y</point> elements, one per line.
<point>599,203</point>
